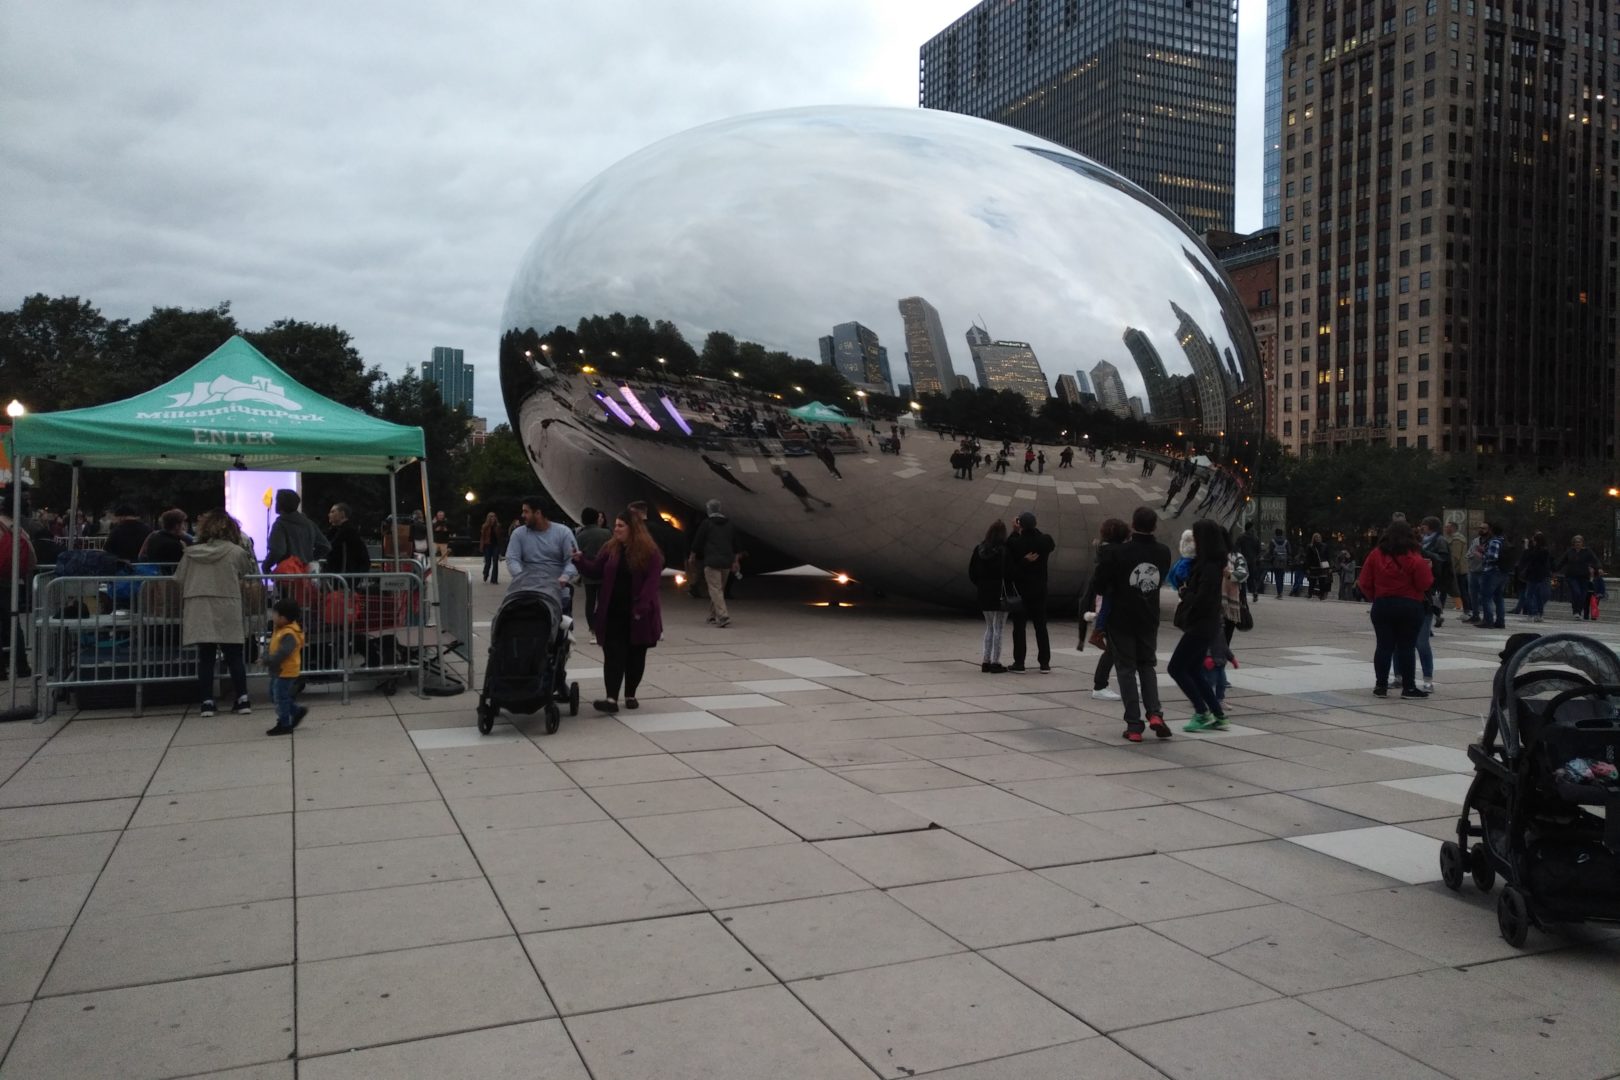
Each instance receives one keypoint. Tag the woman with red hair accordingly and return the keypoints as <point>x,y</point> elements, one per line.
<point>628,619</point>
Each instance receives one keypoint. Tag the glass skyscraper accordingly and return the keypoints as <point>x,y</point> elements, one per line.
<point>452,375</point>
<point>1146,87</point>
<point>1278,14</point>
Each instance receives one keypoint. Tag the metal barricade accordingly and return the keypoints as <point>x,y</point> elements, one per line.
<point>124,633</point>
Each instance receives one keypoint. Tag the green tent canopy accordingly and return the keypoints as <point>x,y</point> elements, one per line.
<point>817,413</point>
<point>233,410</point>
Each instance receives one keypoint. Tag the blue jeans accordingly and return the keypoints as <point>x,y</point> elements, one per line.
<point>492,564</point>
<point>1489,606</point>
<point>281,696</point>
<point>1580,590</point>
<point>1536,594</point>
<point>1186,667</point>
<point>1215,679</point>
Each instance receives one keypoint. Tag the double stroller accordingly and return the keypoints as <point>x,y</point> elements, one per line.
<point>529,642</point>
<point>1545,793</point>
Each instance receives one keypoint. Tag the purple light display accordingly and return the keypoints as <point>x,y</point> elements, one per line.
<point>674,414</point>
<point>629,395</point>
<point>613,407</point>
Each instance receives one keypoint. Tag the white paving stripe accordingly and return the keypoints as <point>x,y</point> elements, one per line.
<point>1434,757</point>
<point>467,735</point>
<point>1451,788</point>
<point>808,667</point>
<point>1384,849</point>
<point>679,721</point>
<point>747,465</point>
<point>779,686</point>
<point>733,701</point>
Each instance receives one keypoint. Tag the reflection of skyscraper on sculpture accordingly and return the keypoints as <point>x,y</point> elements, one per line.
<point>1008,365</point>
<point>1068,390</point>
<point>1208,379</point>
<point>1083,381</point>
<point>854,351</point>
<point>928,358</point>
<point>1155,379</point>
<point>1110,388</point>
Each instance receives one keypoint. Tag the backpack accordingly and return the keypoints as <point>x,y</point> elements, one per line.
<point>1279,550</point>
<point>89,562</point>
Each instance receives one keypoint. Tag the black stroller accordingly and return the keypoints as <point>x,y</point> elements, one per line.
<point>1548,756</point>
<point>529,642</point>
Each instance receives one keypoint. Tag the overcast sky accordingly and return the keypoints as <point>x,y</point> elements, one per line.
<point>384,167</point>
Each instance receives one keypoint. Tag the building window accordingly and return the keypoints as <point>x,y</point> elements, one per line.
<point>1400,419</point>
<point>1423,417</point>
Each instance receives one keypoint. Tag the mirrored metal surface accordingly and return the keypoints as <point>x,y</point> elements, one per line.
<point>664,324</point>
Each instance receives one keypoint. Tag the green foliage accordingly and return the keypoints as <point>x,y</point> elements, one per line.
<point>322,358</point>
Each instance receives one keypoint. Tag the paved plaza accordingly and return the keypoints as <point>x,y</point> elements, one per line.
<point>825,847</point>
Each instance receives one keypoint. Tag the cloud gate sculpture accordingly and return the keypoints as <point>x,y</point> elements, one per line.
<point>805,313</point>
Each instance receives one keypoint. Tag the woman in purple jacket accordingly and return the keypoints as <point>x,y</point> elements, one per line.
<point>627,620</point>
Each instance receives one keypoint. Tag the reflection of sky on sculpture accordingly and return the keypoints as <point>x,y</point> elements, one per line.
<point>777,226</point>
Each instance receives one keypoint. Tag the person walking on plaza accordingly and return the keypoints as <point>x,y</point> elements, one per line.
<point>1248,545</point>
<point>1433,547</point>
<point>1093,613</point>
<point>590,536</point>
<point>799,491</point>
<point>1129,578</point>
<point>714,546</point>
<point>539,555</point>
<point>1474,559</point>
<point>1535,570</point>
<point>1200,615</point>
<point>168,542</point>
<point>1457,548</point>
<point>629,617</point>
<point>987,570</point>
<point>285,662</point>
<point>1490,609</point>
<point>293,535</point>
<point>349,554</point>
<point>491,543</point>
<point>1579,569</point>
<point>1028,550</point>
<point>1397,579</point>
<point>1278,555</point>
<point>1318,568</point>
<point>211,576</point>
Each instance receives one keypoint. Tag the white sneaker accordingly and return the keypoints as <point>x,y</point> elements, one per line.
<point>1427,686</point>
<point>1105,694</point>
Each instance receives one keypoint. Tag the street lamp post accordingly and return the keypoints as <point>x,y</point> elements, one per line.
<point>16,410</point>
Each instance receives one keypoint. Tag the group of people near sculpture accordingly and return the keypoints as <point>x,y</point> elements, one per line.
<point>1409,577</point>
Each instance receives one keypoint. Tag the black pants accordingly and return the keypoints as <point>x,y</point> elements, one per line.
<point>1034,615</point>
<point>1105,668</point>
<point>1396,623</point>
<point>233,664</point>
<point>622,662</point>
<point>591,593</point>
<point>492,564</point>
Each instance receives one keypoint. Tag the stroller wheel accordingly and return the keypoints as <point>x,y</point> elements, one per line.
<point>1479,864</point>
<point>573,699</point>
<point>1451,865</point>
<point>486,720</point>
<point>1512,916</point>
<point>553,719</point>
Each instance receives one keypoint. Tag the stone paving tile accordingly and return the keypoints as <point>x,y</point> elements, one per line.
<point>1005,909</point>
<point>336,792</point>
<point>400,917</point>
<point>1005,768</point>
<point>663,797</point>
<point>696,831</point>
<point>714,763</point>
<point>627,770</point>
<point>1429,920</point>
<point>932,1014</point>
<point>903,776</point>
<point>725,879</point>
<point>166,1029</point>
<point>186,806</point>
<point>266,836</point>
<point>1282,815</point>
<point>110,952</point>
<point>45,856</point>
<point>741,1035</point>
<point>967,805</point>
<point>153,888</point>
<point>361,1001</point>
<point>1171,828</point>
<point>1122,978</point>
<point>1037,842</point>
<point>1152,887</point>
<point>525,810</point>
<point>539,1048</point>
<point>1274,1040</point>
<point>501,780</point>
<point>914,857</point>
<point>1071,794</point>
<point>821,935</point>
<point>1093,1059</point>
<point>382,863</point>
<point>1185,785</point>
<point>364,824</point>
<point>1284,870</point>
<point>589,969</point>
<point>818,805</point>
<point>28,954</point>
<point>65,819</point>
<point>39,903</point>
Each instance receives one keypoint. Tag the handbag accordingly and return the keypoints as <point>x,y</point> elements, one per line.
<point>1011,602</point>
<point>1245,616</point>
<point>1179,619</point>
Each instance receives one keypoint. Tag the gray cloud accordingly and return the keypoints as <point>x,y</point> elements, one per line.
<point>378,166</point>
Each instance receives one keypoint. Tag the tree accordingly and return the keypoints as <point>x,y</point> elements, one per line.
<point>53,352</point>
<point>412,401</point>
<point>321,357</point>
<point>499,470</point>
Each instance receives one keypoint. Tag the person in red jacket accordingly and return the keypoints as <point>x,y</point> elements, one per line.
<point>1396,577</point>
<point>628,619</point>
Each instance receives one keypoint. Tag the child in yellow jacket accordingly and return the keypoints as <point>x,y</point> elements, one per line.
<point>285,661</point>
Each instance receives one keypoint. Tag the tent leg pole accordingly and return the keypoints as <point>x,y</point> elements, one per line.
<point>431,601</point>
<point>16,567</point>
<point>73,510</point>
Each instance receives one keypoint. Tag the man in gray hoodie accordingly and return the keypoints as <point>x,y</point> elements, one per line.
<point>293,534</point>
<point>715,546</point>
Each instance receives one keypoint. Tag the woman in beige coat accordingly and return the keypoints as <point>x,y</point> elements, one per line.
<point>210,576</point>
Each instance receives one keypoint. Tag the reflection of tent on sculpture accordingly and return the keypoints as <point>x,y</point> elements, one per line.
<point>817,413</point>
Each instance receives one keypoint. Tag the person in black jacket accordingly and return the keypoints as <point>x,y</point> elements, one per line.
<point>168,542</point>
<point>987,569</point>
<point>1130,577</point>
<point>349,554</point>
<point>1028,550</point>
<point>1200,619</point>
<point>1113,533</point>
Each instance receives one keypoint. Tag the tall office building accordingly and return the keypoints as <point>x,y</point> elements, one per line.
<point>452,375</point>
<point>1277,15</point>
<point>1008,365</point>
<point>1083,381</point>
<point>1160,397</point>
<point>854,350</point>
<point>1251,262</point>
<point>1448,253</point>
<point>928,357</point>
<point>1110,387</point>
<point>1148,89</point>
<point>1068,391</point>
